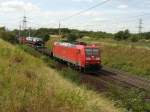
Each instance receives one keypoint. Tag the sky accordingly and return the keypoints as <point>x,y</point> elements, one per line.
<point>112,16</point>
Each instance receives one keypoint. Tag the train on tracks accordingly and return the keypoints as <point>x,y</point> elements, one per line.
<point>78,55</point>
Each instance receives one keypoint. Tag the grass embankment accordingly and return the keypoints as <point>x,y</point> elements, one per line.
<point>130,59</point>
<point>28,85</point>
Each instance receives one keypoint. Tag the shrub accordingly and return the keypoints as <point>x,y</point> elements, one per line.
<point>7,36</point>
<point>122,35</point>
<point>131,99</point>
<point>46,37</point>
<point>72,37</point>
<point>134,38</point>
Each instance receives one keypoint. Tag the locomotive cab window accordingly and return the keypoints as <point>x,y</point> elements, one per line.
<point>88,52</point>
<point>92,52</point>
<point>95,52</point>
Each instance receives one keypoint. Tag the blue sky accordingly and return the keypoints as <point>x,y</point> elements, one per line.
<point>112,16</point>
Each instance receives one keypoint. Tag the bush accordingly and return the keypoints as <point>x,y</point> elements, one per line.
<point>72,37</point>
<point>134,38</point>
<point>122,35</point>
<point>7,36</point>
<point>46,37</point>
<point>131,99</point>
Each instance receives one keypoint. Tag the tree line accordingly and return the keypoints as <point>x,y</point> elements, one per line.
<point>70,34</point>
<point>126,35</point>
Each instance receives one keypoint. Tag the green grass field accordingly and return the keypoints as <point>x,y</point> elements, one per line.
<point>27,84</point>
<point>130,59</point>
<point>141,44</point>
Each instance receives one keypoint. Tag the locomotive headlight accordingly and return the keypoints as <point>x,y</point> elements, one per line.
<point>97,58</point>
<point>88,59</point>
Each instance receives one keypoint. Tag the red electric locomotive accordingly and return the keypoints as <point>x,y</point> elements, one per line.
<point>81,56</point>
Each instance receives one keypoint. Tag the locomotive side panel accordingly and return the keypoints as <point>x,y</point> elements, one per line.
<point>69,54</point>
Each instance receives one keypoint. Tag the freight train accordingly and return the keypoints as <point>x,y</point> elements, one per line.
<point>78,55</point>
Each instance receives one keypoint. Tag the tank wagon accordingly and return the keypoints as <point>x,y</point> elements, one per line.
<point>80,56</point>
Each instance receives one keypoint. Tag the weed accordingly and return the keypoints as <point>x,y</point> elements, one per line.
<point>70,74</point>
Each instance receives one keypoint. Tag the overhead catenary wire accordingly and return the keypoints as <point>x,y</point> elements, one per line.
<point>80,12</point>
<point>85,10</point>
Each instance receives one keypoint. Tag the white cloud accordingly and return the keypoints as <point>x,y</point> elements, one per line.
<point>123,6</point>
<point>88,0</point>
<point>101,19</point>
<point>16,5</point>
<point>82,0</point>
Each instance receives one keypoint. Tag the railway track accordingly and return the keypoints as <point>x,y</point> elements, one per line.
<point>127,79</point>
<point>106,77</point>
<point>107,82</point>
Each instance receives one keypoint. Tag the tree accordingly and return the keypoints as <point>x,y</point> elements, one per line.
<point>46,37</point>
<point>119,35</point>
<point>126,34</point>
<point>134,38</point>
<point>8,36</point>
<point>146,35</point>
<point>72,37</point>
<point>122,35</point>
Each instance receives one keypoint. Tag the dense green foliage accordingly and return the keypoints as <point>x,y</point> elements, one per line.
<point>146,35</point>
<point>122,35</point>
<point>72,37</point>
<point>7,35</point>
<point>126,35</point>
<point>132,99</point>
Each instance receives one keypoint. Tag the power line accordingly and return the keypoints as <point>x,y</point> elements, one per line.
<point>80,12</point>
<point>59,29</point>
<point>29,31</point>
<point>19,31</point>
<point>83,11</point>
<point>24,23</point>
<point>140,27</point>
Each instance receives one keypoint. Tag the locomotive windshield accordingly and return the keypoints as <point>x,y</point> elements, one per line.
<point>95,52</point>
<point>88,52</point>
<point>92,52</point>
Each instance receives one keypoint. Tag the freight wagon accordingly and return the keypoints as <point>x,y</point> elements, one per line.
<point>32,41</point>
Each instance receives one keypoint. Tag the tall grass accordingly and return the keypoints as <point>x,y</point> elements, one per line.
<point>130,98</point>
<point>28,85</point>
<point>130,59</point>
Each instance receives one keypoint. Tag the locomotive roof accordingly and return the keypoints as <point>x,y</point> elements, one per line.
<point>66,44</point>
